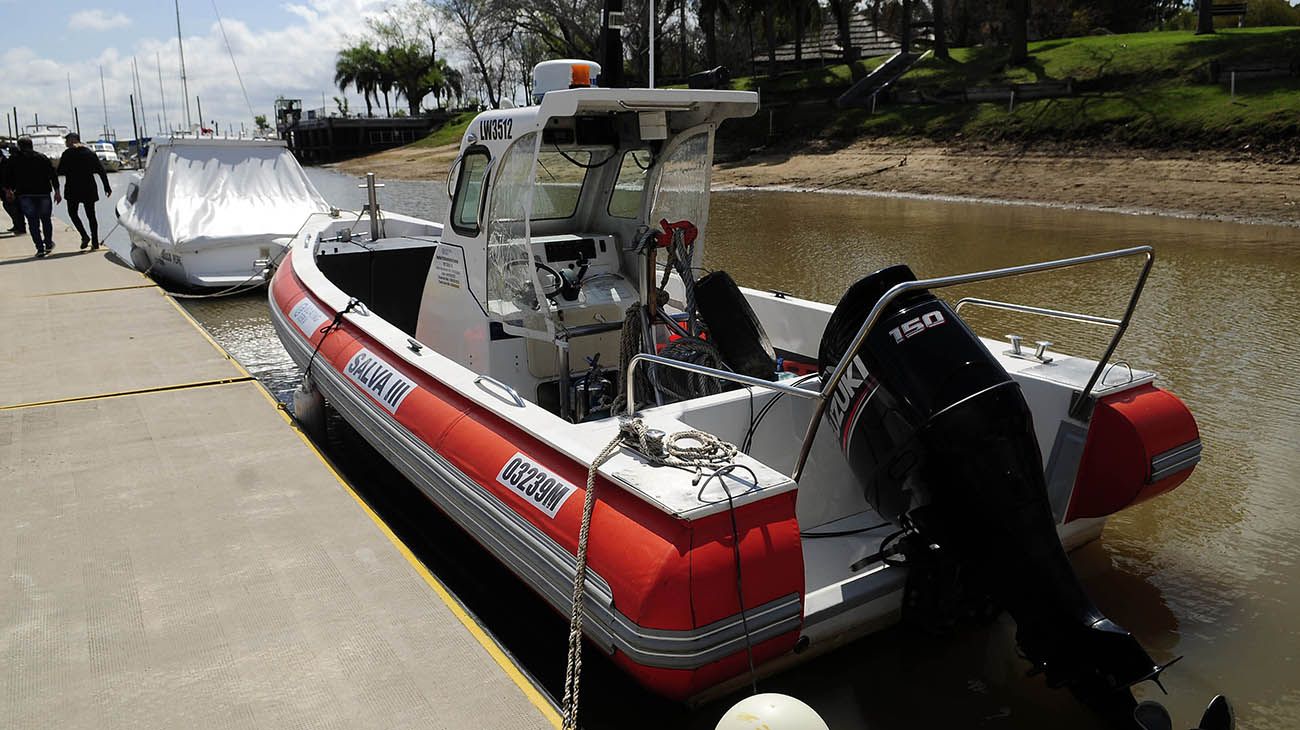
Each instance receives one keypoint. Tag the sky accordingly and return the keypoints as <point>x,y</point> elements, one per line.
<point>282,47</point>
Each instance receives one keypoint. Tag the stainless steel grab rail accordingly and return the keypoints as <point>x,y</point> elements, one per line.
<point>822,396</point>
<point>946,281</point>
<point>514,395</point>
<point>1026,309</point>
<point>704,370</point>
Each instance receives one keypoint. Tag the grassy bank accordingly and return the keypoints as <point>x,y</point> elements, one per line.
<point>1145,89</point>
<point>1149,90</point>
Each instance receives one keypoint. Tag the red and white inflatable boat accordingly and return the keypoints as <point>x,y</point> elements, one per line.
<point>481,359</point>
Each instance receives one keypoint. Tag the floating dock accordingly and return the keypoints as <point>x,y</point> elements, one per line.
<point>177,554</point>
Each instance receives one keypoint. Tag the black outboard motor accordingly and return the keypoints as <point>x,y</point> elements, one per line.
<point>943,442</point>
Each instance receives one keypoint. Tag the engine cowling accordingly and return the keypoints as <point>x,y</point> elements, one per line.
<point>943,442</point>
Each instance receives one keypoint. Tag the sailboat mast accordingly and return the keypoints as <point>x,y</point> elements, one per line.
<point>185,87</point>
<point>72,108</point>
<point>162,98</point>
<point>103,99</point>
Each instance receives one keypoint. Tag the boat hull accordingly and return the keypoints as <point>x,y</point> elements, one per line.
<point>661,594</point>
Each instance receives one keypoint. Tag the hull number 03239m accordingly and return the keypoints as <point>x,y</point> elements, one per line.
<point>495,128</point>
<point>540,487</point>
<point>917,325</point>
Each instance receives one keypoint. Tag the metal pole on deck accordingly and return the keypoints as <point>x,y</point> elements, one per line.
<point>76,120</point>
<point>199,103</point>
<point>652,44</point>
<point>165,122</point>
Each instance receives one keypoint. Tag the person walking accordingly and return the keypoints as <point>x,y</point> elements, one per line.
<point>79,165</point>
<point>10,200</point>
<point>32,177</point>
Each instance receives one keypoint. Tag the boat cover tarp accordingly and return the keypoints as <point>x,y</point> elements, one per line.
<point>198,192</point>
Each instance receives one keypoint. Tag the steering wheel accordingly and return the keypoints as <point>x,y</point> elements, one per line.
<point>557,281</point>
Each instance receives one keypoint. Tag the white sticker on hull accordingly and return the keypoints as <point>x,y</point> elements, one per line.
<point>379,379</point>
<point>540,487</point>
<point>308,317</point>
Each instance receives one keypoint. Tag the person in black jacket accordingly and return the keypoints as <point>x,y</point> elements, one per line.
<point>10,200</point>
<point>79,164</point>
<point>32,176</point>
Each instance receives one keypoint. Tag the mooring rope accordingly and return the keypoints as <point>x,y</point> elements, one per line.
<point>707,451</point>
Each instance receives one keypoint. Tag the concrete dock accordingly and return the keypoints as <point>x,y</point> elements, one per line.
<point>179,555</point>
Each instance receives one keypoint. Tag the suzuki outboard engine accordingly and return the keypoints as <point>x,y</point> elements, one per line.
<point>943,442</point>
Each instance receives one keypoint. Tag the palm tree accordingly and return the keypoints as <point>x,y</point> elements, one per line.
<point>358,67</point>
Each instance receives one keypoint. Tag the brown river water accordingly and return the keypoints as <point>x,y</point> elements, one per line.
<point>1206,572</point>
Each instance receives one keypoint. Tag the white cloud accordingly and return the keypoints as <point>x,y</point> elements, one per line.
<point>97,20</point>
<point>295,60</point>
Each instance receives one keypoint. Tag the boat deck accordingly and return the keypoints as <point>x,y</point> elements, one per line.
<point>178,555</point>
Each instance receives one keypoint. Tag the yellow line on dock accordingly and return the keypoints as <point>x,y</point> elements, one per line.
<point>124,393</point>
<point>489,644</point>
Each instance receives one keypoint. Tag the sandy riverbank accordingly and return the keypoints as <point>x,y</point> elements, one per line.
<point>1214,185</point>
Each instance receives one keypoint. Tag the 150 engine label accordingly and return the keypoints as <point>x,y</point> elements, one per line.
<point>379,379</point>
<point>540,487</point>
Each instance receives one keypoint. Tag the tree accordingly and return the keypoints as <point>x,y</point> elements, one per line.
<point>260,121</point>
<point>359,66</point>
<point>939,11</point>
<point>1204,17</point>
<point>484,31</point>
<point>1018,31</point>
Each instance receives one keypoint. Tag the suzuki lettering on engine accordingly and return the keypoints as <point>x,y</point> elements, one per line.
<point>856,381</point>
<point>540,487</point>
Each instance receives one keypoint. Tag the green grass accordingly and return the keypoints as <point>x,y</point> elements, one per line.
<point>449,133</point>
<point>1148,89</point>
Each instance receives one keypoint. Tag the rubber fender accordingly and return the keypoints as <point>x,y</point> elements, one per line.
<point>734,327</point>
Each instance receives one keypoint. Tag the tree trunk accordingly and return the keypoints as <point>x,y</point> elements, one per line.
<point>906,44</point>
<point>843,10</point>
<point>940,30</point>
<point>388,110</point>
<point>1019,31</point>
<point>682,30</point>
<point>963,25</point>
<point>769,35</point>
<point>1204,18</point>
<point>708,26</point>
<point>798,31</point>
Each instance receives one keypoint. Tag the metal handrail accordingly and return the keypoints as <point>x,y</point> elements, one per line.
<point>946,281</point>
<point>1026,309</point>
<point>714,372</point>
<point>514,395</point>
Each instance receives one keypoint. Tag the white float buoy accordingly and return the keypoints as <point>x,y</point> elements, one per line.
<point>771,711</point>
<point>309,409</point>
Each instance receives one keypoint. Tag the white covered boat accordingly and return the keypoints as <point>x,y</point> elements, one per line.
<point>216,213</point>
<point>482,361</point>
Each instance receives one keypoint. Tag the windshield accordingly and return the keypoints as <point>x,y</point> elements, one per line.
<point>682,191</point>
<point>511,296</point>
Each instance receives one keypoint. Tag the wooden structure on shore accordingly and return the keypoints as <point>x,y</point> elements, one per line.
<point>320,138</point>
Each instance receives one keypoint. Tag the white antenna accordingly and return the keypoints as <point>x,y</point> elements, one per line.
<point>167,125</point>
<point>139,95</point>
<point>231,51</point>
<point>104,99</point>
<point>185,87</point>
<point>652,43</point>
